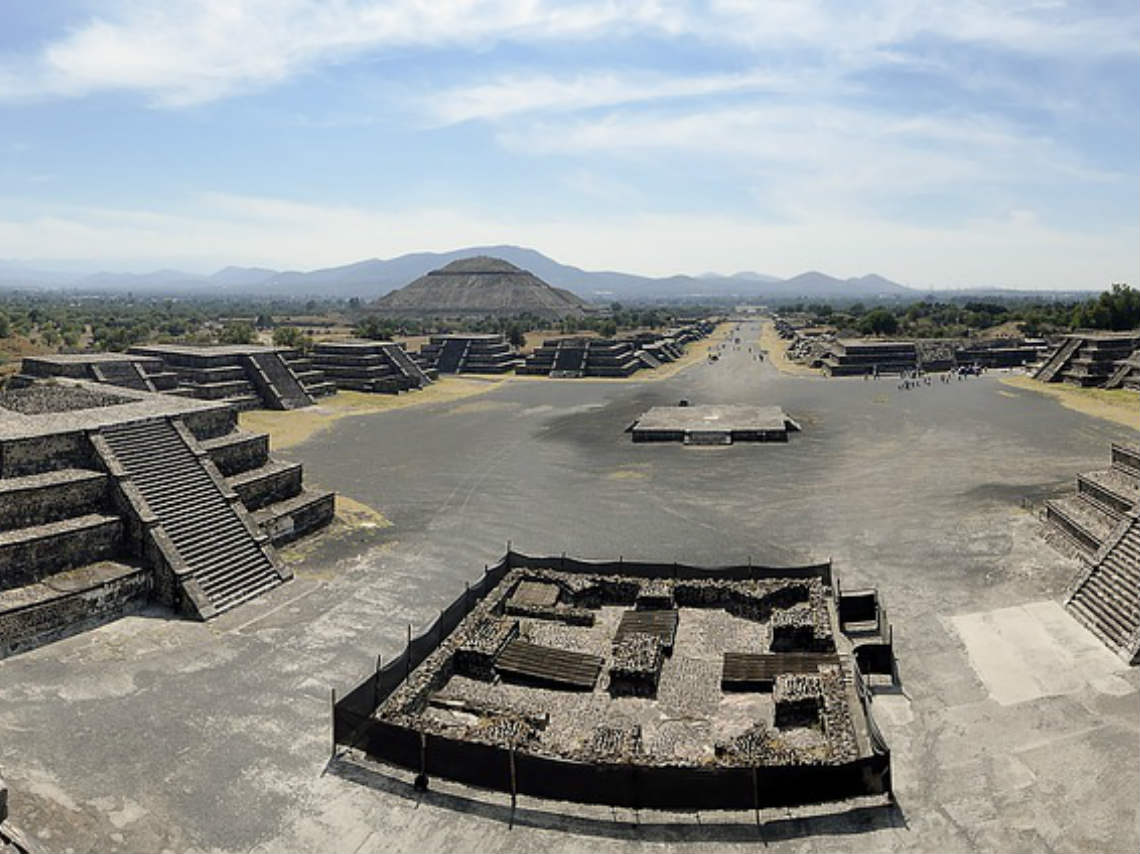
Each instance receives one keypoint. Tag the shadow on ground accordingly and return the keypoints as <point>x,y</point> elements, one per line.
<point>847,819</point>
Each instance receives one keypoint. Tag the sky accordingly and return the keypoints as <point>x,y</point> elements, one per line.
<point>940,144</point>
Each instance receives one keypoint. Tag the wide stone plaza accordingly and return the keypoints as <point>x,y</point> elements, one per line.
<point>1011,727</point>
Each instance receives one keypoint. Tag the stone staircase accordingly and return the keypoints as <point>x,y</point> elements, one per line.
<point>648,359</point>
<point>312,379</point>
<point>1106,597</point>
<point>1053,365</point>
<point>1087,518</point>
<point>276,381</point>
<point>207,538</point>
<point>125,374</point>
<point>569,362</point>
<point>451,357</point>
<point>1127,373</point>
<point>405,365</point>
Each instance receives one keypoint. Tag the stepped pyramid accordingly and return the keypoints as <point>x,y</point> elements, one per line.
<point>481,286</point>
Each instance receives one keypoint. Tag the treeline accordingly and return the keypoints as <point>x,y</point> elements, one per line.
<point>606,324</point>
<point>115,323</point>
<point>1116,309</point>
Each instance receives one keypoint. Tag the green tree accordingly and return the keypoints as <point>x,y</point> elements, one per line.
<point>5,325</point>
<point>292,337</point>
<point>236,332</point>
<point>879,322</point>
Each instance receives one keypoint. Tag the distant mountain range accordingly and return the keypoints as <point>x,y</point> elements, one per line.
<point>376,277</point>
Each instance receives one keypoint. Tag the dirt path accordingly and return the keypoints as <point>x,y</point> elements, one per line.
<point>776,350</point>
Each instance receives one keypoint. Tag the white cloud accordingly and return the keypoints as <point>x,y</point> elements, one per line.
<point>810,158</point>
<point>1014,249</point>
<point>182,52</point>
<point>514,94</point>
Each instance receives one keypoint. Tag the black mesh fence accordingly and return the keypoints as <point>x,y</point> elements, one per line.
<point>627,785</point>
<point>638,569</point>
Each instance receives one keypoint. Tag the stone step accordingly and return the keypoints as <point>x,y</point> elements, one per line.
<point>274,481</point>
<point>284,521</point>
<point>235,584</point>
<point>48,497</point>
<point>251,592</point>
<point>70,601</point>
<point>221,573</point>
<point>1107,629</point>
<point>29,554</point>
<point>209,544</point>
<point>1113,594</point>
<point>237,451</point>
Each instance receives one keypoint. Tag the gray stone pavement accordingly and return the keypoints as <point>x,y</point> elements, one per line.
<point>1014,730</point>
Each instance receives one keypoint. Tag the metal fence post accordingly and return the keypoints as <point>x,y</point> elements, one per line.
<point>514,784</point>
<point>376,684</point>
<point>333,708</point>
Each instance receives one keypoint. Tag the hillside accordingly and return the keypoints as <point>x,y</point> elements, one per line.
<point>481,285</point>
<point>374,277</point>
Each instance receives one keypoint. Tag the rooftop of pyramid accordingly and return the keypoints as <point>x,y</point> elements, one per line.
<point>478,264</point>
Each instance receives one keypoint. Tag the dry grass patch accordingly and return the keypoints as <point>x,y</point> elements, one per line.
<point>293,427</point>
<point>776,350</point>
<point>1121,406</point>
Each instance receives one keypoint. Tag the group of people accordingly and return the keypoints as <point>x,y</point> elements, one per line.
<point>918,377</point>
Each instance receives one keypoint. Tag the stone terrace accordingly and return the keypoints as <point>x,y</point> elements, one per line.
<point>109,501</point>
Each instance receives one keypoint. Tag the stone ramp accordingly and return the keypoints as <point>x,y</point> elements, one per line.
<point>648,359</point>
<point>1124,370</point>
<point>282,388</point>
<point>125,374</point>
<point>405,365</point>
<point>569,361</point>
<point>216,544</point>
<point>450,357</point>
<point>1057,361</point>
<point>1106,598</point>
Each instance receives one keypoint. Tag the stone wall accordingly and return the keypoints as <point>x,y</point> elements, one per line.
<point>72,612</point>
<point>36,503</point>
<point>35,454</point>
<point>60,546</point>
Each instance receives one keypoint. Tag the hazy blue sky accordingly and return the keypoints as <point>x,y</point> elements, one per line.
<point>939,144</point>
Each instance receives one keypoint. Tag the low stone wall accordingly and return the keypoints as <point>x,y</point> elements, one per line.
<point>72,612</point>
<point>210,423</point>
<point>35,454</point>
<point>58,546</point>
<point>42,499</point>
<point>248,452</point>
<point>258,488</point>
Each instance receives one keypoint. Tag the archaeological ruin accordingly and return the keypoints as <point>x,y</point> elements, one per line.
<point>244,377</point>
<point>1101,522</point>
<point>376,366</point>
<point>1099,359</point>
<point>111,497</point>
<point>469,353</point>
<point>857,357</point>
<point>573,357</point>
<point>713,424</point>
<point>639,685</point>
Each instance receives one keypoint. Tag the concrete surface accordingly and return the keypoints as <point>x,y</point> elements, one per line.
<point>156,733</point>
